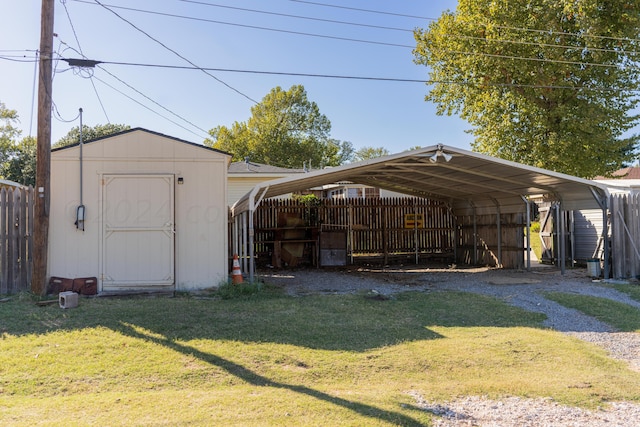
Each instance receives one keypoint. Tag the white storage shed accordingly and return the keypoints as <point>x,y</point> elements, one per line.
<point>140,211</point>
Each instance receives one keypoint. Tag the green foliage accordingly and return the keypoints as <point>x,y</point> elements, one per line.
<point>561,99</point>
<point>535,226</point>
<point>310,214</point>
<point>368,153</point>
<point>89,133</point>
<point>285,129</point>
<point>20,165</point>
<point>309,200</point>
<point>17,157</point>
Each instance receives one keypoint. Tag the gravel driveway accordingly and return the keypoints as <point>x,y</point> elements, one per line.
<point>523,289</point>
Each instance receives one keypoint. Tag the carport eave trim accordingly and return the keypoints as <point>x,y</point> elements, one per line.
<point>342,173</point>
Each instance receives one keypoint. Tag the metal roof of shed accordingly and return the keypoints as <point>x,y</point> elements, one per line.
<point>467,180</point>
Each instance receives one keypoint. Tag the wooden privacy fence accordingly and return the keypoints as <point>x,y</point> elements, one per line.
<point>375,227</point>
<point>625,235</point>
<point>16,241</point>
<point>494,240</point>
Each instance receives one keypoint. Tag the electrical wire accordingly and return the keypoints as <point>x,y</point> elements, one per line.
<point>13,58</point>
<point>153,101</point>
<point>397,44</point>
<point>75,35</point>
<point>363,10</point>
<point>383,79</point>
<point>176,53</point>
<point>148,108</point>
<point>538,44</point>
<point>135,90</point>
<point>309,18</point>
<point>546,32</point>
<point>33,93</point>
<point>254,27</point>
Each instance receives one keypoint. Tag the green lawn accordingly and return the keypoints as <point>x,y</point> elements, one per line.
<point>270,359</point>
<point>621,316</point>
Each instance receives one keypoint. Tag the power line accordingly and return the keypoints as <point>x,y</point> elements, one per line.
<point>254,27</point>
<point>383,79</point>
<point>538,44</point>
<point>547,32</point>
<point>129,86</point>
<point>176,53</point>
<point>73,29</point>
<point>144,106</point>
<point>14,58</point>
<point>350,39</point>
<point>153,101</point>
<point>547,60</point>
<point>310,18</point>
<point>363,10</point>
<point>34,92</point>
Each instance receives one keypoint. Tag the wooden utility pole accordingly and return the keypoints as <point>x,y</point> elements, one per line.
<point>43,154</point>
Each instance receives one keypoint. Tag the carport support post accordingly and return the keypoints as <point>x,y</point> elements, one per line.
<point>605,236</point>
<point>251,244</point>
<point>499,238</point>
<point>244,245</point>
<point>234,235</point>
<point>475,237</point>
<point>415,230</point>
<point>528,216</point>
<point>561,238</point>
<point>499,228</point>
<point>605,204</point>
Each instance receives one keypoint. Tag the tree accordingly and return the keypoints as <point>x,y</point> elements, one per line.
<point>338,153</point>
<point>20,163</point>
<point>8,131</point>
<point>17,158</point>
<point>89,133</point>
<point>367,153</point>
<point>285,129</point>
<point>550,83</point>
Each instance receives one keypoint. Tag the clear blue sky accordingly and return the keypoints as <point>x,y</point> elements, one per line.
<point>374,113</point>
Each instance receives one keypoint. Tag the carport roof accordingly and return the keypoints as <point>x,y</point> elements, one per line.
<point>467,179</point>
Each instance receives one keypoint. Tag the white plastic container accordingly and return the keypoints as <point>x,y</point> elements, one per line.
<point>593,267</point>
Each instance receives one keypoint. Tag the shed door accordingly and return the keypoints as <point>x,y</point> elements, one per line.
<point>138,232</point>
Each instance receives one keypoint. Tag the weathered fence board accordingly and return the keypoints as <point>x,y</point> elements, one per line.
<point>625,235</point>
<point>481,244</point>
<point>16,225</point>
<point>399,228</point>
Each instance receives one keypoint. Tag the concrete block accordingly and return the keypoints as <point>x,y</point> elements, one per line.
<point>68,299</point>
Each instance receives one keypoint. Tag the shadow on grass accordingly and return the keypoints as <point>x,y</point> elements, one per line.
<point>257,380</point>
<point>333,322</point>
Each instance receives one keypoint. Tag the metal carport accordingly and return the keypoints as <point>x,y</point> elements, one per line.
<point>471,183</point>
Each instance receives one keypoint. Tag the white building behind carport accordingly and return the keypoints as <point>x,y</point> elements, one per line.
<point>243,176</point>
<point>140,211</point>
